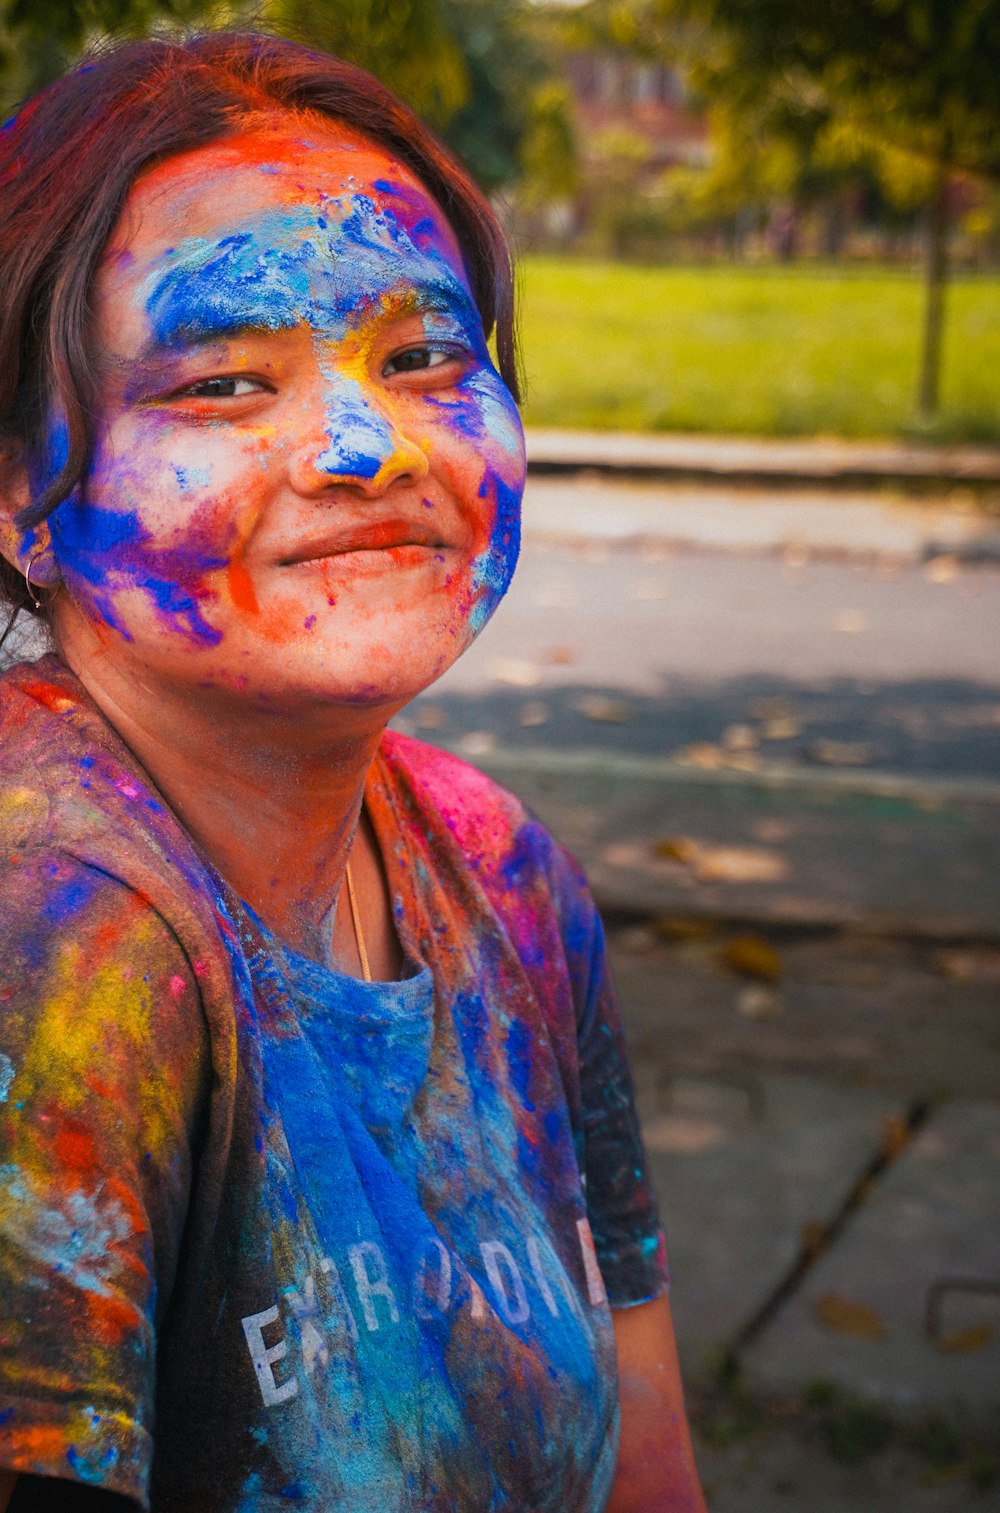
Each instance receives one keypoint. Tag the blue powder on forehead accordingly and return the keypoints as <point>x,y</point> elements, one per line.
<point>291,267</point>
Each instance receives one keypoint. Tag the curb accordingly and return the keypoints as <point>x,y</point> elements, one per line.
<point>676,458</point>
<point>881,852</point>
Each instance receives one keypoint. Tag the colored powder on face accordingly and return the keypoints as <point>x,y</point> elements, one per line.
<point>293,266</point>
<point>44,469</point>
<point>7,1075</point>
<point>494,568</point>
<point>241,588</point>
<point>192,478</point>
<point>332,272</point>
<point>111,549</point>
<point>360,441</point>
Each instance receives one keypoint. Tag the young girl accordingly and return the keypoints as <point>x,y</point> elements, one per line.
<point>320,1179</point>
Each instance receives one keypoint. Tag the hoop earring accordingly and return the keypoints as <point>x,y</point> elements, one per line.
<point>36,601</point>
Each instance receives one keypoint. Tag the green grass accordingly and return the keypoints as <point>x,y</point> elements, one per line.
<point>766,351</point>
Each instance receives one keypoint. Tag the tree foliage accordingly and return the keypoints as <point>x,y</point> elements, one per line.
<point>922,74</point>
<point>902,92</point>
<point>473,68</point>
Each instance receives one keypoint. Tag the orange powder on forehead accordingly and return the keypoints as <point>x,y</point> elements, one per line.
<point>278,140</point>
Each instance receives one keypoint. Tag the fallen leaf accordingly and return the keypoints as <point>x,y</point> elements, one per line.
<point>721,864</point>
<point>687,1136</point>
<point>603,709</point>
<point>750,956</point>
<point>516,671</point>
<point>676,849</point>
<point>668,927</point>
<point>739,864</point>
<point>477,743</point>
<point>840,753</point>
<point>844,1316</point>
<point>964,1341</point>
<point>781,729</point>
<point>943,569</point>
<point>533,713</point>
<point>896,1136</point>
<point>850,622</point>
<point>980,964</point>
<point>635,940</point>
<point>703,754</point>
<point>739,738</point>
<point>755,1001</point>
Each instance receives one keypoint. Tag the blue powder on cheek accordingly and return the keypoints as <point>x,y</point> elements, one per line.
<point>192,478</point>
<point>494,569</point>
<point>105,548</point>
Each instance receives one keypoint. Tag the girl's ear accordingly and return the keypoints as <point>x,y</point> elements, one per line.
<point>18,544</point>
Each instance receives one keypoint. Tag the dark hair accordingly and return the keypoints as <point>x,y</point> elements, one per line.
<point>70,156</point>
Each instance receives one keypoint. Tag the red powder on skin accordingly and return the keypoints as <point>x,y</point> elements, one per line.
<point>241,587</point>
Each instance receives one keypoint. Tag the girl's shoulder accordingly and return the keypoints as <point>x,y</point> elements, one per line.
<point>449,805</point>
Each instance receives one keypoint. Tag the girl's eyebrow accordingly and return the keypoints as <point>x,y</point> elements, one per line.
<point>188,335</point>
<point>215,320</point>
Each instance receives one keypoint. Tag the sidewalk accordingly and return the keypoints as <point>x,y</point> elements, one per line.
<point>808,957</point>
<point>756,460</point>
<point>821,1119</point>
<point>834,848</point>
<point>722,515</point>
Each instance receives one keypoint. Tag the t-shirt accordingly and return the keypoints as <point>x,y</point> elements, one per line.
<point>274,1239</point>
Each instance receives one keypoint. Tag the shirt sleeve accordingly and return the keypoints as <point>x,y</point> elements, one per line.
<point>621,1203</point>
<point>104,1063</point>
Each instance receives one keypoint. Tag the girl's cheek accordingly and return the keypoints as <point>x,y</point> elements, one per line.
<point>500,418</point>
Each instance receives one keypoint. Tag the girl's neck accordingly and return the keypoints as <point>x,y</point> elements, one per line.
<point>272,800</point>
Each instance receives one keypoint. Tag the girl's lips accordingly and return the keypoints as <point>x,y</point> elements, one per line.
<point>367,539</point>
<point>360,561</point>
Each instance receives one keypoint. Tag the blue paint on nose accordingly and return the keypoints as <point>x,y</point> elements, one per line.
<point>360,440</point>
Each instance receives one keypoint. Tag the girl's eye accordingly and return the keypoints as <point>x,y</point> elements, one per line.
<point>221,388</point>
<point>416,359</point>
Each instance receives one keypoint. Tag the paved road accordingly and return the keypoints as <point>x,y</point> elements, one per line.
<point>805,630</point>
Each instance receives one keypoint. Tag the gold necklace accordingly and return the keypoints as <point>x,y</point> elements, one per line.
<point>366,970</point>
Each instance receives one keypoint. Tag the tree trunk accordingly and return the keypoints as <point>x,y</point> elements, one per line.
<point>936,273</point>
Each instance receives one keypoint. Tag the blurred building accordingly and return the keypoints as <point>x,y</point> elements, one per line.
<point>616,91</point>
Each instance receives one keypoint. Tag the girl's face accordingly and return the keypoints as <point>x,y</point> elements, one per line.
<point>307,472</point>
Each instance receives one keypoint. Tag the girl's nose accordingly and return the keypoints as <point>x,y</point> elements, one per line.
<point>359,446</point>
